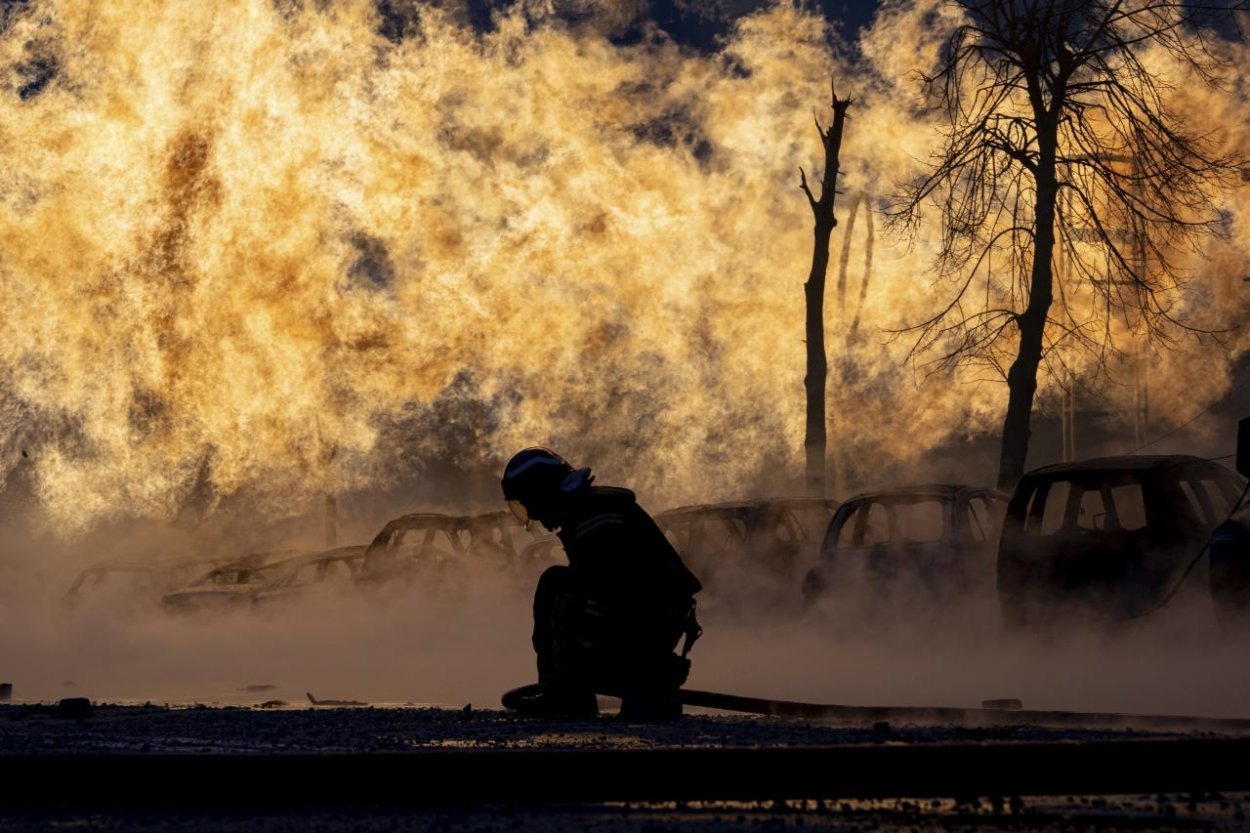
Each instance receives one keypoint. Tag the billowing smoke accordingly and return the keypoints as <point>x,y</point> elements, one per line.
<point>258,251</point>
<point>466,640</point>
<point>276,249</point>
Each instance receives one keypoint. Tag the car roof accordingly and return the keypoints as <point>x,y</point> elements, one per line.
<point>927,490</point>
<point>127,567</point>
<point>734,507</point>
<point>417,519</point>
<point>437,520</point>
<point>256,560</point>
<point>142,561</point>
<point>337,554</point>
<point>1128,462</point>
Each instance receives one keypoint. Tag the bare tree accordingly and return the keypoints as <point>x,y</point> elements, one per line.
<point>814,290</point>
<point>1060,136</point>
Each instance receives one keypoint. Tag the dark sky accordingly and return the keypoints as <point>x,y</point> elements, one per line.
<point>701,24</point>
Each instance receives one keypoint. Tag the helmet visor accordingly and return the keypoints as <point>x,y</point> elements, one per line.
<point>521,513</point>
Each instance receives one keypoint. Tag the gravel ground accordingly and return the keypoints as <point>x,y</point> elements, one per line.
<point>1109,813</point>
<point>34,729</point>
<point>30,729</point>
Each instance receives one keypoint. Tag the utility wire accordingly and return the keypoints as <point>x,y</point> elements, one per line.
<point>1192,419</point>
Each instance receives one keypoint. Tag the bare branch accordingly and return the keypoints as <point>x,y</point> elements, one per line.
<point>1061,142</point>
<point>803,184</point>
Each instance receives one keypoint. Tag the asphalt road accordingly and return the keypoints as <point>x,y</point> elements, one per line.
<point>56,768</point>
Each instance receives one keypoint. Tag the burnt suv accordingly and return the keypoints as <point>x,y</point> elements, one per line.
<point>1230,552</point>
<point>1107,540</point>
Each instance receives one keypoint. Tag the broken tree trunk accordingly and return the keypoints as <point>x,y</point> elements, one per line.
<point>817,362</point>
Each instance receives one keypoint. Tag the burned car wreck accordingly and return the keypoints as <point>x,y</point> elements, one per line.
<point>1229,575</point>
<point>431,545</point>
<point>910,543</point>
<point>136,580</point>
<point>1107,540</point>
<point>748,554</point>
<point>315,572</point>
<point>264,578</point>
<point>230,586</point>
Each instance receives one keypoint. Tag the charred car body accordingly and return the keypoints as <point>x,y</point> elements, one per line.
<point>312,573</point>
<point>926,542</point>
<point>230,586</point>
<point>748,554</point>
<point>135,580</point>
<point>1230,552</point>
<point>429,544</point>
<point>1107,540</point>
<point>265,578</point>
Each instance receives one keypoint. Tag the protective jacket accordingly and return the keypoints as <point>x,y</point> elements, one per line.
<point>621,557</point>
<point>611,619</point>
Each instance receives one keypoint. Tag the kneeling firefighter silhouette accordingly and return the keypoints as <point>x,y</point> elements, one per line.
<point>609,622</point>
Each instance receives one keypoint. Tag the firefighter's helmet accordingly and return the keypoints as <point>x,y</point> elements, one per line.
<point>532,481</point>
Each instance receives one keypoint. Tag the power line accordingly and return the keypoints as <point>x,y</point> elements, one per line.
<point>1192,419</point>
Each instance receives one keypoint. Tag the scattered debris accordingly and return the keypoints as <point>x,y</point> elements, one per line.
<point>317,702</point>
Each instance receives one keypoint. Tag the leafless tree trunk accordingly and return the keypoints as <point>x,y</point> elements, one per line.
<point>817,362</point>
<point>1022,377</point>
<point>1050,97</point>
